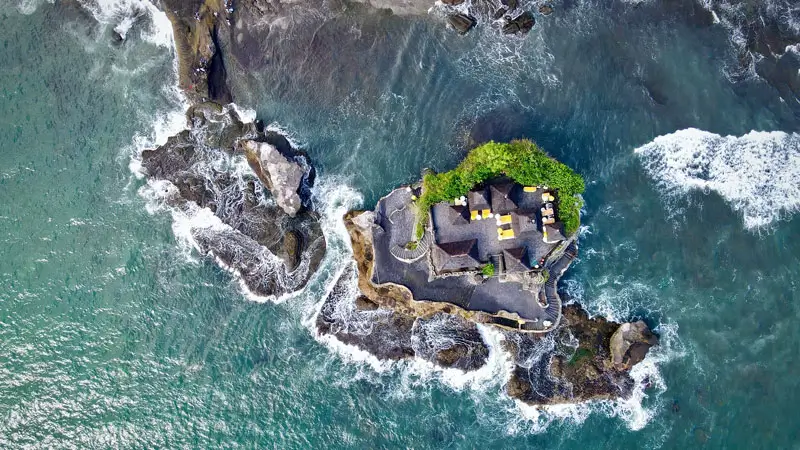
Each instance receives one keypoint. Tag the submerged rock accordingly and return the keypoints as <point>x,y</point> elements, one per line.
<point>630,343</point>
<point>272,251</point>
<point>545,10</point>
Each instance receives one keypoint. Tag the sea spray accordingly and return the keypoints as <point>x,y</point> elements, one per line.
<point>756,173</point>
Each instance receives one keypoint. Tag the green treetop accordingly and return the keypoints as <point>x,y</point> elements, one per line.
<point>522,161</point>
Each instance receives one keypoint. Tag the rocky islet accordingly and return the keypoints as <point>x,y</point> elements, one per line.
<point>384,320</point>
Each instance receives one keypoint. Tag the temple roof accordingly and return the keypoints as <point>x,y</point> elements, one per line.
<point>455,256</point>
<point>502,199</point>
<point>514,259</point>
<point>478,200</point>
<point>458,215</point>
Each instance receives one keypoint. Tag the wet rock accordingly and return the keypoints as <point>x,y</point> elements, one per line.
<point>444,339</point>
<point>291,250</point>
<point>568,365</point>
<point>253,229</point>
<point>511,4</point>
<point>630,343</point>
<point>545,10</point>
<point>462,23</point>
<point>449,341</point>
<point>520,24</point>
<point>363,303</point>
<point>500,13</point>
<point>452,2</point>
<point>281,175</point>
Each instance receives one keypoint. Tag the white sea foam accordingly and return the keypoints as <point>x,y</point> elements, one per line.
<point>28,7</point>
<point>756,173</point>
<point>123,14</point>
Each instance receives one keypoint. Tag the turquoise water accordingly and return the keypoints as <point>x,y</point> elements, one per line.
<point>114,334</point>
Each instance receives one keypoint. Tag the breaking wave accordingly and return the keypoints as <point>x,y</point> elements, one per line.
<point>756,173</point>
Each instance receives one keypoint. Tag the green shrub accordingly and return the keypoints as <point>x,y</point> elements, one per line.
<point>522,161</point>
<point>488,270</point>
<point>580,354</point>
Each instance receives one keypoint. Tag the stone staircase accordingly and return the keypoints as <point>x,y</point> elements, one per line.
<point>499,264</point>
<point>406,255</point>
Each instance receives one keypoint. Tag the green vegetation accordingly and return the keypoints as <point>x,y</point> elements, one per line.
<point>488,270</point>
<point>522,161</point>
<point>580,354</point>
<point>545,275</point>
<point>412,245</point>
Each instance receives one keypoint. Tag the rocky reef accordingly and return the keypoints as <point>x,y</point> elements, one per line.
<point>273,247</point>
<point>579,361</point>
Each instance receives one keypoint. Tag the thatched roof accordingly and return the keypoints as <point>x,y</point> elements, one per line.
<point>458,215</point>
<point>456,256</point>
<point>502,199</point>
<point>514,259</point>
<point>478,200</point>
<point>554,232</point>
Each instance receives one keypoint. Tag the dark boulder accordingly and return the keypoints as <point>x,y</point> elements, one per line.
<point>500,13</point>
<point>291,250</point>
<point>520,24</point>
<point>545,10</point>
<point>462,23</point>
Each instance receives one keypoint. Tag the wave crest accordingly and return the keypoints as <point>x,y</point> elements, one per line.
<point>756,173</point>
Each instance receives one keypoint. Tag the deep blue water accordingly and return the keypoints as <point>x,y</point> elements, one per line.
<point>115,335</point>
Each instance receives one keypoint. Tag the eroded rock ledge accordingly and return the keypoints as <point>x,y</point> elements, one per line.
<point>273,252</point>
<point>571,364</point>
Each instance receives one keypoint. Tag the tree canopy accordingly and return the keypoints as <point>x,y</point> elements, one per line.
<point>522,161</point>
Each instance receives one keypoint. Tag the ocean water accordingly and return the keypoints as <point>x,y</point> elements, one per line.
<point>114,333</point>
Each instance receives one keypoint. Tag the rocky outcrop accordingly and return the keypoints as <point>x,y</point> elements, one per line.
<point>506,15</point>
<point>571,364</point>
<point>195,25</point>
<point>281,175</point>
<point>461,22</point>
<point>271,251</point>
<point>443,339</point>
<point>519,24</point>
<point>630,343</point>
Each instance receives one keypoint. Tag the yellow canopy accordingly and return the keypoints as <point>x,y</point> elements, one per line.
<point>473,215</point>
<point>529,189</point>
<point>507,234</point>
<point>485,213</point>
<point>505,220</point>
